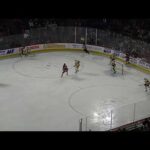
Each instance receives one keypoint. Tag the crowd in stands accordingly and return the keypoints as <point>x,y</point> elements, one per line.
<point>134,28</point>
<point>143,125</point>
<point>138,126</point>
<point>18,26</point>
<point>146,125</point>
<point>137,29</point>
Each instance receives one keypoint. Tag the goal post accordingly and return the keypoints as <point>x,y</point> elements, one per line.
<point>80,124</point>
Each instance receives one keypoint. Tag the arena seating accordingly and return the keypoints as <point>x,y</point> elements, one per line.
<point>140,125</point>
<point>135,28</point>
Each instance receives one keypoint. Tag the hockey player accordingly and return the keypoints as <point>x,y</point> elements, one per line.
<point>77,65</point>
<point>146,84</point>
<point>24,51</point>
<point>112,58</point>
<point>64,69</point>
<point>127,58</point>
<point>85,49</point>
<point>21,51</point>
<point>28,51</point>
<point>113,66</point>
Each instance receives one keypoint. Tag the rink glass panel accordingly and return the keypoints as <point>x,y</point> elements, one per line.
<point>80,34</point>
<point>114,118</point>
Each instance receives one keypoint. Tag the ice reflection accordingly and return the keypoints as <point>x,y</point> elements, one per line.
<point>101,119</point>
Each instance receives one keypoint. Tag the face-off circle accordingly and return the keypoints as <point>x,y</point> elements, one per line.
<point>48,68</point>
<point>100,106</point>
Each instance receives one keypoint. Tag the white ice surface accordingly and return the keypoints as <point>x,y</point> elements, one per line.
<point>33,97</point>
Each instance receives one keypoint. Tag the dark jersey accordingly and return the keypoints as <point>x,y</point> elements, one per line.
<point>65,68</point>
<point>147,83</point>
<point>113,64</point>
<point>127,57</point>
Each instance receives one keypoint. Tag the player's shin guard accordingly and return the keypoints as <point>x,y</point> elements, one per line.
<point>145,88</point>
<point>114,70</point>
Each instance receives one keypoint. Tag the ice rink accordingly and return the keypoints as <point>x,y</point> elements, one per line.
<point>33,97</point>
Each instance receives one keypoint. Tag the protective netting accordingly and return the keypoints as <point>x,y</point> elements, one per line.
<point>110,119</point>
<point>92,36</point>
